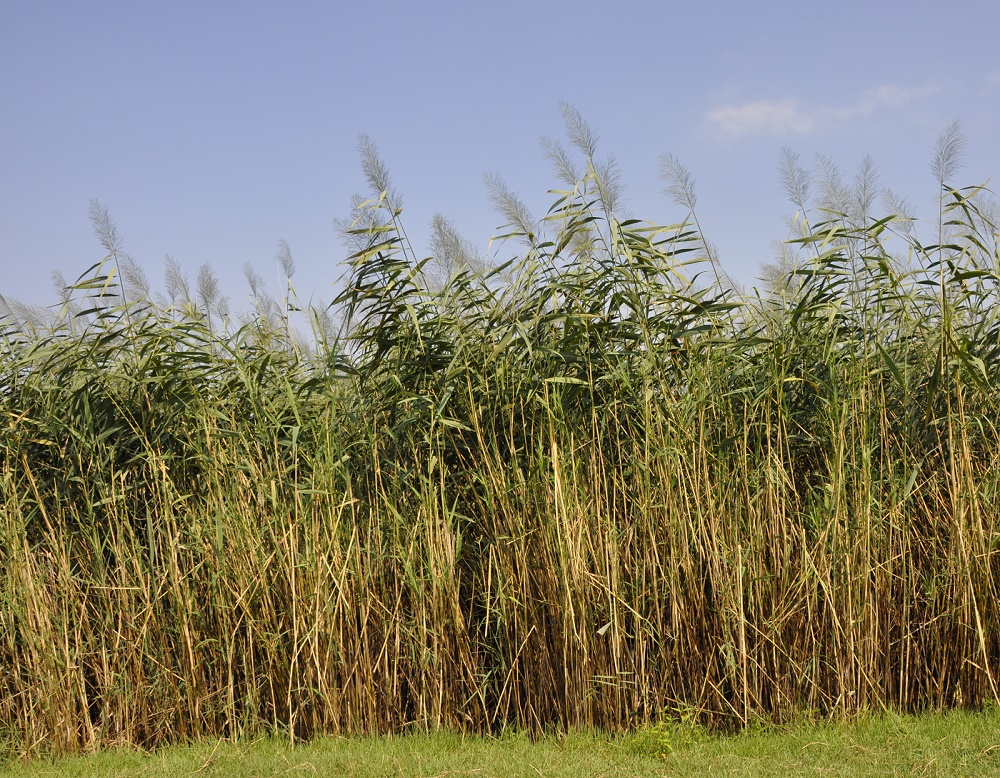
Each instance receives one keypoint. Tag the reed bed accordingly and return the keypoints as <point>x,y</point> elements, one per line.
<point>591,487</point>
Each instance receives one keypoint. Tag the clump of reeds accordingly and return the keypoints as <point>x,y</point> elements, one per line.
<point>580,489</point>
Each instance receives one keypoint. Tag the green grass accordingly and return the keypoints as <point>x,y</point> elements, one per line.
<point>945,744</point>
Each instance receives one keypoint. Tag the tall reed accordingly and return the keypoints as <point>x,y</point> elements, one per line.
<point>586,488</point>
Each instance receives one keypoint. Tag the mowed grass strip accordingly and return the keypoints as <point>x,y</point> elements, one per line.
<point>951,744</point>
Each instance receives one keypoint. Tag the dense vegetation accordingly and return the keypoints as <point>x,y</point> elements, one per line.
<point>581,488</point>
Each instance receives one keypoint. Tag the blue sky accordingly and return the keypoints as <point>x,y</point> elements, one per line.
<point>211,130</point>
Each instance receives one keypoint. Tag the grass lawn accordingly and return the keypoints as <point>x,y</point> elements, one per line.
<point>946,744</point>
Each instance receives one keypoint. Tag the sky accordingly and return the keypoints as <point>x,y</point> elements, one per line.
<point>213,130</point>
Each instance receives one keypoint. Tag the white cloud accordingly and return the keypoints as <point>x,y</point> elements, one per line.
<point>763,117</point>
<point>889,96</point>
<point>993,79</point>
<point>789,117</point>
